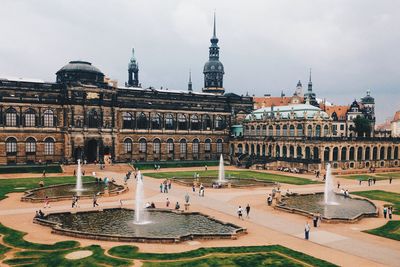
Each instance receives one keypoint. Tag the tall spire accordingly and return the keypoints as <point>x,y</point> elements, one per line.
<point>215,27</point>
<point>133,71</point>
<point>190,86</point>
<point>310,83</point>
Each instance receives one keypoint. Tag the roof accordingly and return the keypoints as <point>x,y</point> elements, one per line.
<point>340,111</point>
<point>396,116</point>
<point>268,101</point>
<point>78,65</point>
<point>18,79</point>
<point>300,111</point>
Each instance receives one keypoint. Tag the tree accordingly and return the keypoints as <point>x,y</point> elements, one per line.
<point>362,126</point>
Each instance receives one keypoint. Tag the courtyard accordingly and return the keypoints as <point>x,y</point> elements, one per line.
<point>273,237</point>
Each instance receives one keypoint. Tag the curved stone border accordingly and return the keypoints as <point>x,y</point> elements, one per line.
<point>57,229</point>
<point>354,219</point>
<point>28,196</point>
<point>259,183</point>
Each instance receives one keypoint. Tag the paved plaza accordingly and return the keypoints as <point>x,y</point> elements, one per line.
<point>341,244</point>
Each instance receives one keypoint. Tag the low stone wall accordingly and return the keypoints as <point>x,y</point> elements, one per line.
<point>333,219</point>
<point>57,229</point>
<point>258,183</point>
<point>28,195</point>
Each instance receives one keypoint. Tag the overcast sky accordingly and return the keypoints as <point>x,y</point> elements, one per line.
<point>266,46</point>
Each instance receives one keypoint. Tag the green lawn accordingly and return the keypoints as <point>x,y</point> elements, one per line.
<point>394,175</point>
<point>235,174</point>
<point>175,164</point>
<point>386,196</point>
<point>362,177</point>
<point>274,255</point>
<point>390,230</point>
<point>23,184</point>
<point>27,253</point>
<point>52,168</point>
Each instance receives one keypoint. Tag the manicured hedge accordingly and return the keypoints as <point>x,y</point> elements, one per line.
<point>30,169</point>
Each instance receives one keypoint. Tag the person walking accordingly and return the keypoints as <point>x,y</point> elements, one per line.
<point>44,174</point>
<point>385,210</point>
<point>46,202</point>
<point>206,167</point>
<point>315,220</point>
<point>177,206</point>
<point>390,179</point>
<point>240,212</point>
<point>307,231</point>
<point>193,188</point>
<point>167,203</point>
<point>95,204</point>
<point>338,184</point>
<point>390,211</point>
<point>161,187</point>
<point>247,211</point>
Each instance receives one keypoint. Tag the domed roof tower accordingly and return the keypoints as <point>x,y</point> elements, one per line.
<point>80,71</point>
<point>213,69</point>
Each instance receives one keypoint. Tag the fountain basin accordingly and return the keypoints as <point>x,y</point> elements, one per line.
<point>66,191</point>
<point>116,224</point>
<point>347,209</point>
<point>233,182</point>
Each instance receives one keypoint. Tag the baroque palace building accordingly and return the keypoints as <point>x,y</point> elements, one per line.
<point>83,116</point>
<point>298,132</point>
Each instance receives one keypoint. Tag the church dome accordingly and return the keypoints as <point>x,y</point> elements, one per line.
<point>80,71</point>
<point>213,66</point>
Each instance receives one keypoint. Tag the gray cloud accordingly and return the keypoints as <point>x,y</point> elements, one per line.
<point>266,46</point>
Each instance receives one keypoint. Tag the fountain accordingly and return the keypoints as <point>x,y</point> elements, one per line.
<point>329,193</point>
<point>331,206</point>
<point>79,187</point>
<point>139,206</point>
<point>221,171</point>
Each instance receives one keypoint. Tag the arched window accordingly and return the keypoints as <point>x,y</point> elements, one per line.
<point>308,153</point>
<point>316,153</point>
<point>30,118</point>
<point>156,146</point>
<point>169,122</point>
<point>299,152</point>
<point>156,122</point>
<point>240,149</point>
<point>326,154</point>
<point>278,151</point>
<point>359,153</point>
<point>318,131</point>
<point>291,130</point>
<point>367,153</point>
<point>183,147</point>
<point>170,146</point>
<point>219,123</point>
<point>284,130</point>
<point>309,131</point>
<point>264,130</point>
<point>93,119</point>
<point>291,151</point>
<point>30,145</point>
<point>258,130</point>
<point>195,147</point>
<point>284,151</point>
<point>11,146</point>
<point>142,121</point>
<point>270,130</point>
<point>344,152</point>
<point>207,146</point>
<point>128,121</point>
<point>182,122</point>
<point>375,153</point>
<point>389,153</point>
<point>142,146</point>
<point>351,156</point>
<point>335,153</point>
<point>326,130</point>
<point>48,118</point>
<point>382,153</point>
<point>219,146</point>
<point>396,152</point>
<point>49,146</point>
<point>128,146</point>
<point>278,130</point>
<point>252,130</point>
<point>206,122</point>
<point>11,117</point>
<point>194,122</point>
<point>300,130</point>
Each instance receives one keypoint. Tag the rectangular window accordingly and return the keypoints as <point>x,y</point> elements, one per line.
<point>207,147</point>
<point>11,119</point>
<point>11,147</point>
<point>127,147</point>
<point>142,147</point>
<point>183,148</point>
<point>49,148</point>
<point>156,148</point>
<point>30,147</point>
<point>170,147</point>
<point>219,147</point>
<point>30,120</point>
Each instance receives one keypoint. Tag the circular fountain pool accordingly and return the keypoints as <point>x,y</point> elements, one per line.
<point>66,191</point>
<point>118,225</point>
<point>233,182</point>
<point>345,208</point>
